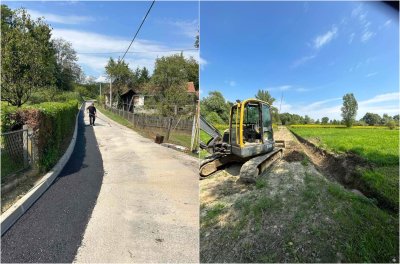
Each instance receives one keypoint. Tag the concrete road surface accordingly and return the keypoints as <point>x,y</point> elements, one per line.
<point>148,206</point>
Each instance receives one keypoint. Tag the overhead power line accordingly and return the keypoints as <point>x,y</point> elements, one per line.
<point>141,24</point>
<point>148,51</point>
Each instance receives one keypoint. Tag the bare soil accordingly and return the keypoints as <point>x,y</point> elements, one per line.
<point>31,178</point>
<point>344,168</point>
<point>293,213</point>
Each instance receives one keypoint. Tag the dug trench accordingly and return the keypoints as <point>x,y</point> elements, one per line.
<point>345,169</point>
<point>293,213</point>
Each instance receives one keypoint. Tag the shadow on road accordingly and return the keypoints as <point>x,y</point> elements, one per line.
<point>52,229</point>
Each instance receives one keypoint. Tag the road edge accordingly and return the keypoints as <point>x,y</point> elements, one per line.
<point>9,217</point>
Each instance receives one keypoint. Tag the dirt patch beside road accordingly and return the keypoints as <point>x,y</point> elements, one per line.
<point>293,213</point>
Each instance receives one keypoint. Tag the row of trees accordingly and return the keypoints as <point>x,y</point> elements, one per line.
<point>166,89</point>
<point>31,60</point>
<point>215,109</point>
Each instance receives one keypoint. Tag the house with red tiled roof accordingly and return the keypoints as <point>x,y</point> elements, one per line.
<point>191,89</point>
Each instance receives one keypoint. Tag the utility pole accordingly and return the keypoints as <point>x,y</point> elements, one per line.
<point>110,93</point>
<point>100,90</point>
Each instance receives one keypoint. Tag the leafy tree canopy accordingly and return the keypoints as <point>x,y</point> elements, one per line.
<point>349,109</point>
<point>28,61</point>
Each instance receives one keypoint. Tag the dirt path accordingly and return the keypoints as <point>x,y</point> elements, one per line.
<point>147,209</point>
<point>294,149</point>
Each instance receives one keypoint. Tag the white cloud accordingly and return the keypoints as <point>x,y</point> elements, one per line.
<point>187,28</point>
<point>387,23</point>
<point>302,89</point>
<point>302,61</point>
<point>324,39</point>
<point>317,104</point>
<point>371,74</point>
<point>60,19</point>
<point>361,15</point>
<point>351,37</point>
<point>279,88</point>
<point>367,35</point>
<point>380,104</point>
<point>102,78</point>
<point>381,98</point>
<point>287,87</point>
<point>90,43</point>
<point>284,107</point>
<point>203,62</point>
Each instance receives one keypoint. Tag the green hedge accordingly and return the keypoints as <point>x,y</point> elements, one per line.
<point>55,123</point>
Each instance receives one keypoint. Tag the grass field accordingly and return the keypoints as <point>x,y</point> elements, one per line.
<point>379,146</point>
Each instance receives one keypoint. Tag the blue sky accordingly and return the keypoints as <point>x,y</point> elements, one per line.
<point>110,26</point>
<point>311,52</point>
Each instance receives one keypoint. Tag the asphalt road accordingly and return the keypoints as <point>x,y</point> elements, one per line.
<point>52,229</point>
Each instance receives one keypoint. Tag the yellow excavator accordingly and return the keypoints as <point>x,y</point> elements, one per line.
<point>249,140</point>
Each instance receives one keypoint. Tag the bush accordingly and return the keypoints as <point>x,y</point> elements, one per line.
<point>54,121</point>
<point>8,119</point>
<point>52,95</point>
<point>391,124</point>
<point>214,118</point>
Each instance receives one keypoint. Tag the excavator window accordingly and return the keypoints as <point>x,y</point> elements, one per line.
<point>252,123</point>
<point>267,123</point>
<point>235,121</point>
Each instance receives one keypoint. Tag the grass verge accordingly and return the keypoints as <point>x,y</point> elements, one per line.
<point>378,147</point>
<point>297,216</point>
<point>176,137</point>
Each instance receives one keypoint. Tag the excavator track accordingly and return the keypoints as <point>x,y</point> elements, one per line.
<point>212,164</point>
<point>255,166</point>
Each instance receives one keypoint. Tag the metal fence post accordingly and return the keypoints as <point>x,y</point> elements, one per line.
<point>25,145</point>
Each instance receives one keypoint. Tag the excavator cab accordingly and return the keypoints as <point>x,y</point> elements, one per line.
<point>250,128</point>
<point>249,140</point>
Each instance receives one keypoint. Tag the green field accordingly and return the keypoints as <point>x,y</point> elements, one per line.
<point>379,146</point>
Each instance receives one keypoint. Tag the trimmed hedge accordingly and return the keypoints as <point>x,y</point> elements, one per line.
<point>53,122</point>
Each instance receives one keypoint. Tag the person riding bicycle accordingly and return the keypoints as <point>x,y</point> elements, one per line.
<point>92,113</point>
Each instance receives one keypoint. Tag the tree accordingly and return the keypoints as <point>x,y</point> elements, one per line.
<point>325,120</point>
<point>197,42</point>
<point>265,96</point>
<point>371,119</point>
<point>120,75</point>
<point>144,76</point>
<point>173,100</point>
<point>215,102</point>
<point>173,70</point>
<point>307,119</point>
<point>386,119</point>
<point>67,70</point>
<point>349,109</point>
<point>27,56</point>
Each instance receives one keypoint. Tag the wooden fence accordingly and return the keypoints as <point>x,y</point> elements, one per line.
<point>153,121</point>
